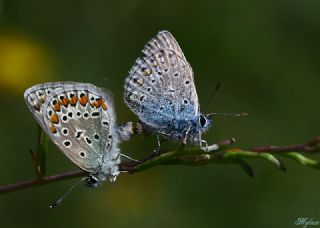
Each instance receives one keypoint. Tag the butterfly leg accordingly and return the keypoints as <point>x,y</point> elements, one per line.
<point>155,152</point>
<point>129,158</point>
<point>205,142</point>
<point>184,141</point>
<point>166,135</point>
<point>201,141</point>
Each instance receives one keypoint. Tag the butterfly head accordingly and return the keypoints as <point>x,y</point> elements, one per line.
<point>92,181</point>
<point>204,122</point>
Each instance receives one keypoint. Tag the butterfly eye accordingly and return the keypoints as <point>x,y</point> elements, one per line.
<point>202,121</point>
<point>92,181</point>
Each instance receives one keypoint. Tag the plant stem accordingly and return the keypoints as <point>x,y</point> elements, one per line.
<point>36,182</point>
<point>218,153</point>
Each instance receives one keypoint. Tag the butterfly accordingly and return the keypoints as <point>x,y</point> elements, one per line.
<point>80,119</point>
<point>160,90</point>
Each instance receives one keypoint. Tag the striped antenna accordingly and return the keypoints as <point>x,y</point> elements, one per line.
<point>59,201</point>
<point>228,114</point>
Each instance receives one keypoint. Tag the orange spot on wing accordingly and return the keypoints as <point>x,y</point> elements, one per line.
<point>104,105</point>
<point>73,100</point>
<point>54,119</point>
<point>56,107</point>
<point>98,102</point>
<point>64,102</point>
<point>83,100</point>
<point>53,129</point>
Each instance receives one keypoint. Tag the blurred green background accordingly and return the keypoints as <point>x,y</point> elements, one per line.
<point>266,54</point>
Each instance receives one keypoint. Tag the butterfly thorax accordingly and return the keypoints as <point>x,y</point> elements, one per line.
<point>109,168</point>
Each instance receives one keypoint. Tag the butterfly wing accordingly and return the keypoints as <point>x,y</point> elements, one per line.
<point>80,120</point>
<point>160,87</point>
<point>36,96</point>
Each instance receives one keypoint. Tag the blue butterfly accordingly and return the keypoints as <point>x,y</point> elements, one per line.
<point>160,90</point>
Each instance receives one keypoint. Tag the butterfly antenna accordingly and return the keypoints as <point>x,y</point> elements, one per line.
<point>228,114</point>
<point>214,92</point>
<point>59,201</point>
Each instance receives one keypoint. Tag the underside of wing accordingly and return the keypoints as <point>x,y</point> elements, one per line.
<point>80,120</point>
<point>160,86</point>
<point>37,95</point>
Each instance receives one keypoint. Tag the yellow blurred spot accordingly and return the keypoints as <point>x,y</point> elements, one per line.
<point>23,62</point>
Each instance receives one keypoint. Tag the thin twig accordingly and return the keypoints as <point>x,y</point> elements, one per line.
<point>218,153</point>
<point>309,146</point>
<point>36,182</point>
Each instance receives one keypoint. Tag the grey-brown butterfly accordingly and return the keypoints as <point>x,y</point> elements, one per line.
<point>80,119</point>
